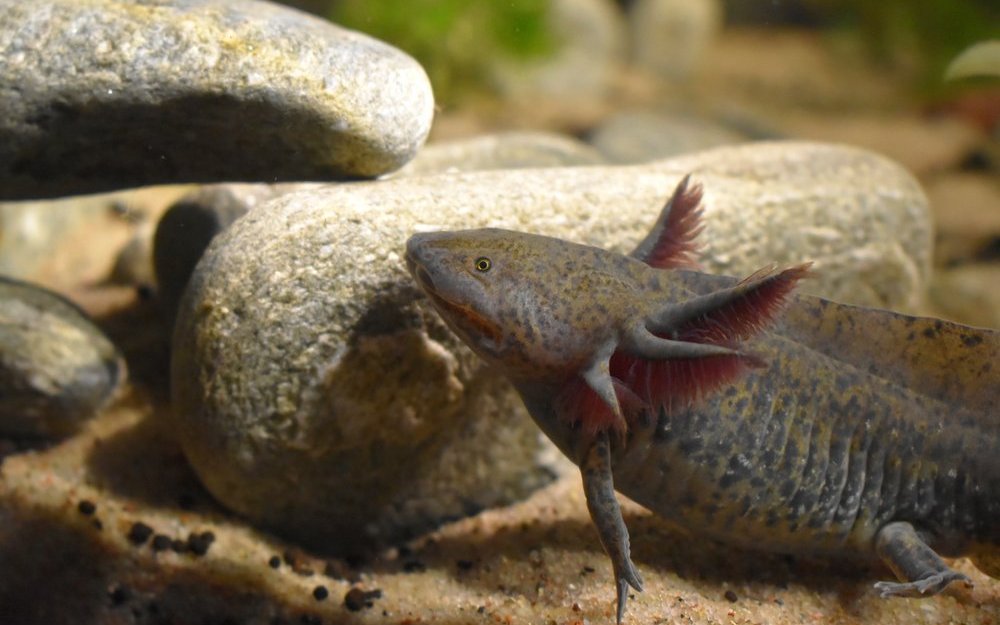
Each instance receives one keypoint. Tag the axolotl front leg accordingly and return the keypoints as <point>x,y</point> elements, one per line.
<point>643,340</point>
<point>594,458</point>
<point>599,488</point>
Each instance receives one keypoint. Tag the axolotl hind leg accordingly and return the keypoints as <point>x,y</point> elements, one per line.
<point>921,571</point>
<point>598,485</point>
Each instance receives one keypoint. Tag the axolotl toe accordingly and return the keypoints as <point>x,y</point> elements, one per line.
<point>737,408</point>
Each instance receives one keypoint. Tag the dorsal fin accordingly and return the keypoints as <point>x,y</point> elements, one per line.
<point>671,242</point>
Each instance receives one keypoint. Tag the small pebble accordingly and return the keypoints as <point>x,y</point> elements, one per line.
<point>274,562</point>
<point>139,533</point>
<point>357,599</point>
<point>320,593</point>
<point>178,545</point>
<point>731,596</point>
<point>162,542</point>
<point>354,600</point>
<point>86,507</point>
<point>198,544</point>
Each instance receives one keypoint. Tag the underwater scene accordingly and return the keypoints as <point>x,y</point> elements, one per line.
<point>465,311</point>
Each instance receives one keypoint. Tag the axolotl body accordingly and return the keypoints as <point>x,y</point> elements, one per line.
<point>738,409</point>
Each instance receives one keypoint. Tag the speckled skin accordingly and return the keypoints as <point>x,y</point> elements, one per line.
<point>816,453</point>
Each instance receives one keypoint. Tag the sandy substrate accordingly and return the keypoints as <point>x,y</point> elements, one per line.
<point>64,561</point>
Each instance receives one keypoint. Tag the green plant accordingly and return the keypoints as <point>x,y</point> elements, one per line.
<point>925,33</point>
<point>455,40</point>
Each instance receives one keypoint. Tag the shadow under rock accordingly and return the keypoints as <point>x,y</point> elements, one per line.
<point>145,464</point>
<point>141,334</point>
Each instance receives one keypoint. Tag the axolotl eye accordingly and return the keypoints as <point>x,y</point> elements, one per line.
<point>483,264</point>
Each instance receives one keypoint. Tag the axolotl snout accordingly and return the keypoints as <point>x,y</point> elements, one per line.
<point>738,409</point>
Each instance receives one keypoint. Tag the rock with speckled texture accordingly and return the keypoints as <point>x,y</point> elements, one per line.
<point>316,393</point>
<point>105,94</point>
<point>190,224</point>
<point>57,369</point>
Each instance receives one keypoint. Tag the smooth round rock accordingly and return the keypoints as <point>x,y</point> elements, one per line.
<point>57,369</point>
<point>507,150</point>
<point>104,94</point>
<point>190,224</point>
<point>317,393</point>
<point>643,136</point>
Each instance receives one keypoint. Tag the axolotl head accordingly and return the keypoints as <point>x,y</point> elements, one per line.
<point>533,305</point>
<point>612,335</point>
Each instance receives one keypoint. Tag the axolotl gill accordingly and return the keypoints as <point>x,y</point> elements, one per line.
<point>737,408</point>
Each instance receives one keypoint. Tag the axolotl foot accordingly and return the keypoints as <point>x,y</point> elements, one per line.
<point>922,587</point>
<point>923,572</point>
<point>598,485</point>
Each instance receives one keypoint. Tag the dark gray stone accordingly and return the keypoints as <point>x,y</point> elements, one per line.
<point>57,369</point>
<point>116,93</point>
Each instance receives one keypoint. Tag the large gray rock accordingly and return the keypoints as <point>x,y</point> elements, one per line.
<point>187,228</point>
<point>315,392</point>
<point>112,93</point>
<point>56,367</point>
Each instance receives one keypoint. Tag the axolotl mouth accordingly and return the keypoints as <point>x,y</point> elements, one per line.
<point>461,316</point>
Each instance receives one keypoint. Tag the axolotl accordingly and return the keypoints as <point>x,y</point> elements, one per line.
<point>737,408</point>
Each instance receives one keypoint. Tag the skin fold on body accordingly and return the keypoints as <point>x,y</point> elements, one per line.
<point>737,408</point>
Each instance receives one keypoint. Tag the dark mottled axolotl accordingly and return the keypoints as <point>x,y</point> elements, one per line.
<point>835,430</point>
